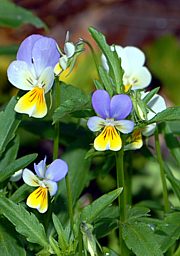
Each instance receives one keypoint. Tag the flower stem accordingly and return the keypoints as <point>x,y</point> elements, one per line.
<point>70,203</point>
<point>161,166</point>
<point>57,95</point>
<point>121,198</point>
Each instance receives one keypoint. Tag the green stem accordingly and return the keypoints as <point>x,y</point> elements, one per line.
<point>121,198</point>
<point>177,253</point>
<point>161,166</point>
<point>80,244</point>
<point>57,95</point>
<point>70,203</point>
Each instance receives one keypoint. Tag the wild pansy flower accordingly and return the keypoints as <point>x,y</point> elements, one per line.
<point>136,75</point>
<point>46,179</point>
<point>33,71</point>
<point>112,112</point>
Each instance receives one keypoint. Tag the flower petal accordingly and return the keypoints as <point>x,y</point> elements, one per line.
<point>32,103</point>
<point>38,199</point>
<point>25,49</point>
<point>44,54</point>
<point>140,79</point>
<point>120,106</point>
<point>95,123</point>
<point>104,63</point>
<point>131,58</point>
<point>101,103</point>
<point>157,104</point>
<point>16,176</point>
<point>69,49</point>
<point>52,186</point>
<point>149,130</point>
<point>30,178</point>
<point>124,126</point>
<point>108,139</point>
<point>40,168</point>
<point>46,79</point>
<point>134,141</point>
<point>57,170</point>
<point>20,76</point>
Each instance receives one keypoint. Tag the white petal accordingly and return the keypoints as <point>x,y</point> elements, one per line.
<point>52,186</point>
<point>157,104</point>
<point>118,49</point>
<point>124,126</point>
<point>69,49</point>
<point>46,79</point>
<point>63,62</point>
<point>95,123</point>
<point>149,130</point>
<point>30,178</point>
<point>104,62</point>
<point>20,76</point>
<point>16,176</point>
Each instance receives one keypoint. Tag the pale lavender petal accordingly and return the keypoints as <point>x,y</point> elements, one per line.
<point>52,186</point>
<point>30,178</point>
<point>25,49</point>
<point>120,106</point>
<point>40,168</point>
<point>44,54</point>
<point>95,123</point>
<point>101,103</point>
<point>57,170</point>
<point>124,126</point>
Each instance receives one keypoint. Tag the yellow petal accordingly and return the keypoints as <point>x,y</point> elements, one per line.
<point>108,139</point>
<point>57,69</point>
<point>38,199</point>
<point>32,103</point>
<point>134,141</point>
<point>127,87</point>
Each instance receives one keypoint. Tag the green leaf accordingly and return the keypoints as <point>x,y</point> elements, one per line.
<point>149,96</point>
<point>10,154</point>
<point>107,81</point>
<point>112,58</point>
<point>72,99</point>
<point>90,212</point>
<point>137,212</point>
<point>25,223</point>
<point>140,239</point>
<point>14,16</point>
<point>172,143</point>
<point>168,231</point>
<point>16,165</point>
<point>62,235</point>
<point>9,242</point>
<point>175,183</point>
<point>98,85</point>
<point>9,122</point>
<point>169,114</point>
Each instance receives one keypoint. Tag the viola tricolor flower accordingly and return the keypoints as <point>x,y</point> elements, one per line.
<point>112,112</point>
<point>136,75</point>
<point>33,71</point>
<point>46,179</point>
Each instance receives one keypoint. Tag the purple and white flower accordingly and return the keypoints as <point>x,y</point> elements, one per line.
<point>111,114</point>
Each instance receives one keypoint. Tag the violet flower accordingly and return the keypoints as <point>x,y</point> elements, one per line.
<point>33,72</point>
<point>112,112</point>
<point>46,179</point>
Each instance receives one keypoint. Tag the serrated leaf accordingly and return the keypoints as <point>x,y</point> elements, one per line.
<point>9,242</point>
<point>136,212</point>
<point>90,212</point>
<point>112,58</point>
<point>9,122</point>
<point>21,193</point>
<point>140,239</point>
<point>169,114</point>
<point>107,81</point>
<point>25,223</point>
<point>16,165</point>
<point>12,15</point>
<point>72,99</point>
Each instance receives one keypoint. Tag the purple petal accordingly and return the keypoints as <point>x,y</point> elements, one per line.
<point>40,168</point>
<point>101,103</point>
<point>120,106</point>
<point>44,54</point>
<point>57,170</point>
<point>25,49</point>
